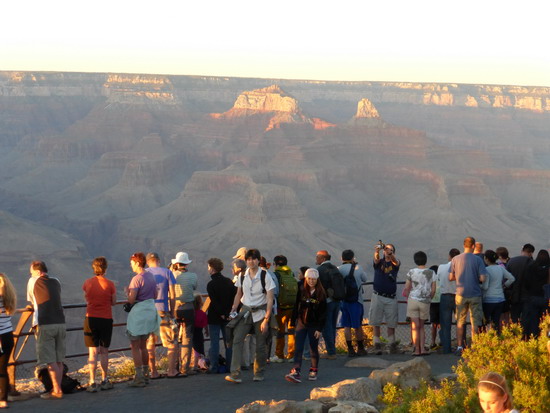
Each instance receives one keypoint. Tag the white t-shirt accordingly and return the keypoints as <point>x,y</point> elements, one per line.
<point>421,284</point>
<point>445,286</point>
<point>253,295</point>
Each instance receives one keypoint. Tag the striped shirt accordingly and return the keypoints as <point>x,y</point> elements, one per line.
<point>5,319</point>
<point>186,284</point>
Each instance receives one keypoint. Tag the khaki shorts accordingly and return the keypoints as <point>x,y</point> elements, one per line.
<point>168,336</point>
<point>383,308</point>
<point>473,304</point>
<point>417,309</point>
<point>50,343</point>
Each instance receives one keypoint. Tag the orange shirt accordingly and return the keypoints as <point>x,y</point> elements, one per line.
<point>99,292</point>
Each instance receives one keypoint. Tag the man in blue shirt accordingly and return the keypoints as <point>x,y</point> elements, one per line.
<point>384,302</point>
<point>166,306</point>
<point>469,272</point>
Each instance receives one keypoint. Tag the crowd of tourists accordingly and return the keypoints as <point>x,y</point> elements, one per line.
<point>264,302</point>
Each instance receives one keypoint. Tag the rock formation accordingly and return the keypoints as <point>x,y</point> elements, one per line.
<point>367,115</point>
<point>273,100</point>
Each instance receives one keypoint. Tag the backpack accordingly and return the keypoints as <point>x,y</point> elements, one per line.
<point>68,384</point>
<point>337,284</point>
<point>352,290</point>
<point>288,287</point>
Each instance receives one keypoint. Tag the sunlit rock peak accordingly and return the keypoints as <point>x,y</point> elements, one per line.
<point>272,100</point>
<point>365,109</point>
<point>269,99</point>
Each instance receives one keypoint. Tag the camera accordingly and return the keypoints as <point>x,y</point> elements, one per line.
<point>380,246</point>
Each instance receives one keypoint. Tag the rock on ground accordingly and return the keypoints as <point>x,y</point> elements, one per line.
<point>362,389</point>
<point>406,374</point>
<point>349,406</point>
<point>282,406</point>
<point>369,362</point>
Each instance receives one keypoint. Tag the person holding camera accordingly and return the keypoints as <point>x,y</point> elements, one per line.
<point>383,304</point>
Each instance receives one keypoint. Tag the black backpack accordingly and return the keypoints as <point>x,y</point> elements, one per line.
<point>352,290</point>
<point>68,384</point>
<point>337,284</point>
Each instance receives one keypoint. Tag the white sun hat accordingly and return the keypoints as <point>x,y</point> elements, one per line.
<point>181,258</point>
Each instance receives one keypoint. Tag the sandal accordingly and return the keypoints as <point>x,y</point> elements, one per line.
<point>178,375</point>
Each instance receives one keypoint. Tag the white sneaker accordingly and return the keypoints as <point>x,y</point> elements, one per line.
<point>233,379</point>
<point>276,359</point>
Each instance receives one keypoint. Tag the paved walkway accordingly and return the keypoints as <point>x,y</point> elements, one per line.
<point>207,393</point>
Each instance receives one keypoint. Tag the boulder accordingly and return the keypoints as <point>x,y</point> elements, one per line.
<point>369,362</point>
<point>282,406</point>
<point>349,406</point>
<point>405,374</point>
<point>362,389</point>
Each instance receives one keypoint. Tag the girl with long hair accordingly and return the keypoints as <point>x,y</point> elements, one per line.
<point>494,396</point>
<point>309,318</point>
<point>8,304</point>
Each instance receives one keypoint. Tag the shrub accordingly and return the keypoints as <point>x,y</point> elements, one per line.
<point>341,346</point>
<point>524,363</point>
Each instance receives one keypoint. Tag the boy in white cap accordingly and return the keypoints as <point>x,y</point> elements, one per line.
<point>186,284</point>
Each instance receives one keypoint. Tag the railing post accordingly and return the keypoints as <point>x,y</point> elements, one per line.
<point>25,315</point>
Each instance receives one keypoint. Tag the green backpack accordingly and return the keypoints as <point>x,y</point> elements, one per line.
<point>288,287</point>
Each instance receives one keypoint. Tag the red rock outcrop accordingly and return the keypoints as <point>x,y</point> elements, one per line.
<point>282,108</point>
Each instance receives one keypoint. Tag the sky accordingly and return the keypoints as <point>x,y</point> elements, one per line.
<point>482,41</point>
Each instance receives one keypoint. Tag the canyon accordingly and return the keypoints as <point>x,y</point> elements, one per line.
<point>109,164</point>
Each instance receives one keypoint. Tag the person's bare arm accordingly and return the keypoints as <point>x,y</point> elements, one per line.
<point>172,299</point>
<point>265,323</point>
<point>407,289</point>
<point>237,299</point>
<point>132,294</point>
<point>376,256</point>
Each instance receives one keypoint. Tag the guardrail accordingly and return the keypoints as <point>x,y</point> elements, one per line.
<point>21,336</point>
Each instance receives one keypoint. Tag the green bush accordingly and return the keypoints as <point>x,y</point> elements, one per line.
<point>524,363</point>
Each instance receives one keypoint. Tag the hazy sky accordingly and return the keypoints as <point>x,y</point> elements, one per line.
<point>482,41</point>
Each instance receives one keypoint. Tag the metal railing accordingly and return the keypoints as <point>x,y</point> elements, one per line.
<point>21,336</point>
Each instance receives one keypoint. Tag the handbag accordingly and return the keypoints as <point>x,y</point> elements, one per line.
<point>127,307</point>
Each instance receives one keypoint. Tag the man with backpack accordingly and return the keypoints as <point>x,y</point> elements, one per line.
<point>255,292</point>
<point>352,304</point>
<point>333,283</point>
<point>286,300</point>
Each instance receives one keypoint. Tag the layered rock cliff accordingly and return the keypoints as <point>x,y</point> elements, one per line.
<point>272,100</point>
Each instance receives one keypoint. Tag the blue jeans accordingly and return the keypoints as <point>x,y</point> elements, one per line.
<point>302,333</point>
<point>329,332</point>
<point>492,313</point>
<point>447,307</point>
<point>213,353</point>
<point>533,309</point>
